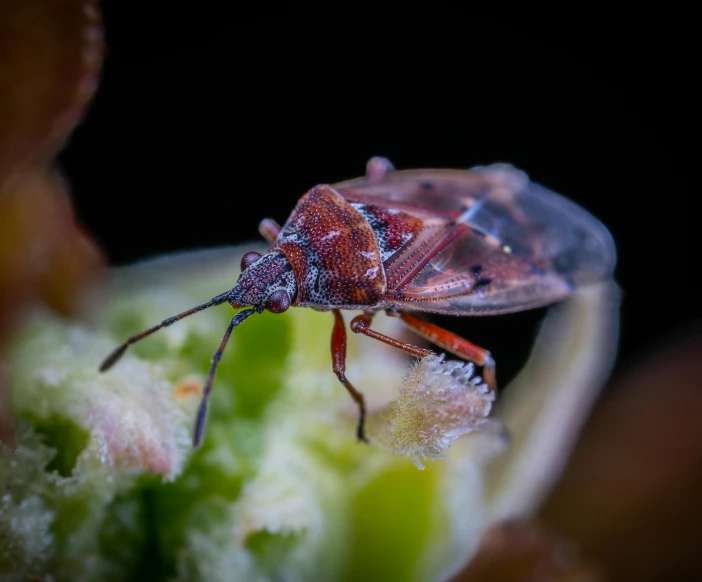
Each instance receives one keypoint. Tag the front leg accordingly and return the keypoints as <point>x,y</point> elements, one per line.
<point>376,168</point>
<point>269,230</point>
<point>338,351</point>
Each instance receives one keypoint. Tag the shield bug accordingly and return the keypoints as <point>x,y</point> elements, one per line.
<point>483,241</point>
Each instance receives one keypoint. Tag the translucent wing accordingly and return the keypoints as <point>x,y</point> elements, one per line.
<point>486,240</point>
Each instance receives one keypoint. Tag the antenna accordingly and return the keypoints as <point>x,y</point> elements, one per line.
<point>114,357</point>
<point>201,417</point>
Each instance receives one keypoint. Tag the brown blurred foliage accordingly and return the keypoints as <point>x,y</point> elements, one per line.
<point>629,502</point>
<point>50,56</point>
<point>523,551</point>
<point>631,493</point>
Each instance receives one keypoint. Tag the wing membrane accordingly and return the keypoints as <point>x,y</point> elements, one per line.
<point>497,242</point>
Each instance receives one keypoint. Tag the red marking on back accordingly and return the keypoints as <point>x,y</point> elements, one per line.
<point>392,229</point>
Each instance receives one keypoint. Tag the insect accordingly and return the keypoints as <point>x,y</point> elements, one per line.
<point>483,241</point>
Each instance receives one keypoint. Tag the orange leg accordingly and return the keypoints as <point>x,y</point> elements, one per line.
<point>269,229</point>
<point>338,351</point>
<point>361,324</point>
<point>435,334</point>
<point>454,344</point>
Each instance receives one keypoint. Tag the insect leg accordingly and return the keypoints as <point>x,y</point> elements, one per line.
<point>376,168</point>
<point>455,344</point>
<point>269,229</point>
<point>361,324</point>
<point>338,351</point>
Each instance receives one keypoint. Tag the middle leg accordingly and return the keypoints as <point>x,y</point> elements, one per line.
<point>361,324</point>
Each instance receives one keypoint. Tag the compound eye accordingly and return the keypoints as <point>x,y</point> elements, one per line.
<point>249,259</point>
<point>278,302</point>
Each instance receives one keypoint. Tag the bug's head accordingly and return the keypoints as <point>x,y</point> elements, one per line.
<point>266,282</point>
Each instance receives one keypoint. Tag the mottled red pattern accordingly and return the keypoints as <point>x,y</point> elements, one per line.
<point>333,251</point>
<point>393,229</point>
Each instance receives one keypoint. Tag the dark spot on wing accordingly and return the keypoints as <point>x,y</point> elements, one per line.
<point>476,269</point>
<point>482,282</point>
<point>426,185</point>
<point>539,272</point>
<point>563,265</point>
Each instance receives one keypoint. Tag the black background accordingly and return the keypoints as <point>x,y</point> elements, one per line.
<point>212,116</point>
